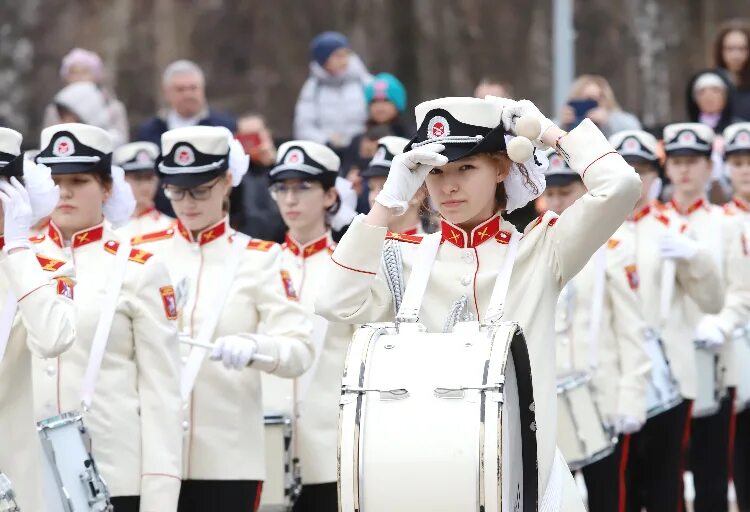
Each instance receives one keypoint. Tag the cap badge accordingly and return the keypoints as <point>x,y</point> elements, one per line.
<point>294,157</point>
<point>686,138</point>
<point>142,157</point>
<point>63,147</point>
<point>380,154</point>
<point>555,162</point>
<point>743,138</point>
<point>438,127</point>
<point>631,144</point>
<point>184,156</point>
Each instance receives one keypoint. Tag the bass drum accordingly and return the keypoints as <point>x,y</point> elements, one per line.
<point>438,422</point>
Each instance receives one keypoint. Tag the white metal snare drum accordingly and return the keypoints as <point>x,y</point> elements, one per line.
<point>663,391</point>
<point>7,496</point>
<point>438,422</point>
<point>71,481</point>
<point>582,436</point>
<point>283,484</point>
<point>741,340</point>
<point>710,392</point>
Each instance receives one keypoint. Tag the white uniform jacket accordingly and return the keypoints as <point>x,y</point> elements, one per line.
<point>223,423</point>
<point>134,421</point>
<point>602,333</point>
<point>44,325</point>
<point>552,251</point>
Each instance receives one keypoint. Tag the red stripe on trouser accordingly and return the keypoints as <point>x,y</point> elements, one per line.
<point>623,468</point>
<point>258,493</point>
<point>683,455</point>
<point>732,431</point>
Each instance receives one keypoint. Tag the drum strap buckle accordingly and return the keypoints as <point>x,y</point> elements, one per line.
<point>385,394</point>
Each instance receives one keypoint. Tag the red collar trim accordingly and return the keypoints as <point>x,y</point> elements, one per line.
<point>207,235</point>
<point>700,203</point>
<point>740,205</point>
<point>412,231</point>
<point>307,250</point>
<point>79,239</point>
<point>480,234</point>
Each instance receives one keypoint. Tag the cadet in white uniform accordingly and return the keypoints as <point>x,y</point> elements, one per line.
<point>600,328</point>
<point>658,451</point>
<point>37,318</point>
<point>473,183</point>
<point>410,223</point>
<point>232,293</point>
<point>132,394</point>
<point>303,186</point>
<point>737,157</point>
<point>138,160</point>
<point>689,166</point>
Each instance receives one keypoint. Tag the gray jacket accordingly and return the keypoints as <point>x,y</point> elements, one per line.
<point>332,108</point>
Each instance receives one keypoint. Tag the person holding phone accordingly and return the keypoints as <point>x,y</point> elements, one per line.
<point>592,97</point>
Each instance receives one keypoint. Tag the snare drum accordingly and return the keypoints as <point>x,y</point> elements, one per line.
<point>582,436</point>
<point>710,392</point>
<point>741,340</point>
<point>438,422</point>
<point>283,483</point>
<point>663,391</point>
<point>71,481</point>
<point>7,496</point>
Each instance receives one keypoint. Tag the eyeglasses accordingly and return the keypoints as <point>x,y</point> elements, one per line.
<point>301,188</point>
<point>197,193</point>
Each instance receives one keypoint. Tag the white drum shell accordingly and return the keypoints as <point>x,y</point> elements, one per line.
<point>663,391</point>
<point>707,400</point>
<point>278,487</point>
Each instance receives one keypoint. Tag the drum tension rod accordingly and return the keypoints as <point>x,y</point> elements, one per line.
<point>495,390</point>
<point>385,394</point>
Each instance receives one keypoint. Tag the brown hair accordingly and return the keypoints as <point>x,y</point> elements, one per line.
<point>732,26</point>
<point>104,178</point>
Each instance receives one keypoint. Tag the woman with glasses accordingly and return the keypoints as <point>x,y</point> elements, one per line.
<point>303,185</point>
<point>227,286</point>
<point>132,409</point>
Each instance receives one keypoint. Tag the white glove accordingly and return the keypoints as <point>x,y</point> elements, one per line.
<point>18,214</point>
<point>709,334</point>
<point>236,352</point>
<point>347,207</point>
<point>43,192</point>
<point>625,424</point>
<point>512,111</point>
<point>407,174</point>
<point>675,246</point>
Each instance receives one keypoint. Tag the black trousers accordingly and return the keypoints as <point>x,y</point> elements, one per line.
<point>318,498</point>
<point>742,460</point>
<point>657,458</point>
<point>605,479</point>
<point>126,503</point>
<point>709,458</point>
<point>219,496</point>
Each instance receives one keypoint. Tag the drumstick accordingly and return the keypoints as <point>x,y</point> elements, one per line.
<point>187,340</point>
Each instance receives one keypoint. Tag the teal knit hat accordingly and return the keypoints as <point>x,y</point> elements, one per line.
<point>386,87</point>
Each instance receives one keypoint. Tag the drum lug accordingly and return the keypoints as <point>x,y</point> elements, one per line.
<point>348,393</point>
<point>494,392</point>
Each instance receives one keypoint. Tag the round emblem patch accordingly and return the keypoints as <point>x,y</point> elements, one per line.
<point>743,138</point>
<point>555,163</point>
<point>631,144</point>
<point>294,157</point>
<point>380,154</point>
<point>142,157</point>
<point>184,156</point>
<point>438,128</point>
<point>63,147</point>
<point>686,138</point>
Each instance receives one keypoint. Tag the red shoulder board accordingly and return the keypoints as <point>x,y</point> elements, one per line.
<point>49,264</point>
<point>136,255</point>
<point>37,239</point>
<point>612,243</point>
<point>152,237</point>
<point>260,245</point>
<point>412,239</point>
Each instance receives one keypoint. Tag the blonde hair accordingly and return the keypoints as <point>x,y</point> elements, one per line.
<point>608,100</point>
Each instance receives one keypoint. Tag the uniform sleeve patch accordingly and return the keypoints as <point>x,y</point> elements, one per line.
<point>260,245</point>
<point>49,264</point>
<point>65,287</point>
<point>286,280</point>
<point>632,273</point>
<point>169,300</point>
